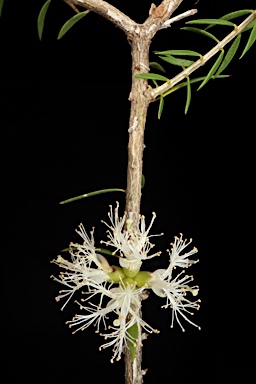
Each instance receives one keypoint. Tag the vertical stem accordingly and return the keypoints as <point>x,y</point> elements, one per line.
<point>139,106</point>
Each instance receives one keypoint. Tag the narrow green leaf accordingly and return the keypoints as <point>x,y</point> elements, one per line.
<point>73,20</point>
<point>92,194</point>
<point>178,52</point>
<point>184,83</point>
<point>249,26</point>
<point>154,64</point>
<point>233,15</point>
<point>41,18</point>
<point>151,76</point>
<point>174,61</point>
<point>211,21</point>
<point>155,82</point>
<point>229,55</point>
<point>133,339</point>
<point>201,32</point>
<point>1,6</point>
<point>161,106</point>
<point>188,96</point>
<point>250,41</point>
<point>142,181</point>
<point>212,70</point>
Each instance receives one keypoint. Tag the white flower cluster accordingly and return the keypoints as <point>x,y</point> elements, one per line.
<point>120,288</point>
<point>133,246</point>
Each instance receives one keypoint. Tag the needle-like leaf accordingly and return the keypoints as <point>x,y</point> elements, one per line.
<point>212,70</point>
<point>73,20</point>
<point>250,41</point>
<point>178,52</point>
<point>161,106</point>
<point>41,18</point>
<point>175,61</point>
<point>188,96</point>
<point>92,194</point>
<point>154,64</point>
<point>229,55</point>
<point>201,32</point>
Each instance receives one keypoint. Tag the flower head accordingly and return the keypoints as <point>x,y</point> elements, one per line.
<point>80,271</point>
<point>178,260</point>
<point>175,289</point>
<point>120,289</point>
<point>125,303</point>
<point>133,244</point>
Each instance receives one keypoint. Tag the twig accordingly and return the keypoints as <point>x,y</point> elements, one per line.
<point>108,11</point>
<point>72,6</point>
<point>167,23</point>
<point>153,93</point>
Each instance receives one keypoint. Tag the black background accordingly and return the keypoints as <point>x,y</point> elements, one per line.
<point>64,121</point>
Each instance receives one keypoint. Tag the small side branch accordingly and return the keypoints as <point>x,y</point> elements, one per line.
<point>167,23</point>
<point>69,2</point>
<point>152,94</point>
<point>106,10</point>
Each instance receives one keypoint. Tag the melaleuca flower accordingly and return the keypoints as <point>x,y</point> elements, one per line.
<point>125,303</point>
<point>79,272</point>
<point>120,289</point>
<point>178,260</point>
<point>175,289</point>
<point>132,244</point>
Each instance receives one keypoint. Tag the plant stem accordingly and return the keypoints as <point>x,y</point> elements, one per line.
<point>139,106</point>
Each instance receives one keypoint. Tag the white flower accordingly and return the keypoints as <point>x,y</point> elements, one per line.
<point>91,270</point>
<point>175,290</point>
<point>79,272</point>
<point>133,245</point>
<point>125,303</point>
<point>178,260</point>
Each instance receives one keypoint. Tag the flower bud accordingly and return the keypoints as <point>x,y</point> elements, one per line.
<point>130,272</point>
<point>142,278</point>
<point>116,275</point>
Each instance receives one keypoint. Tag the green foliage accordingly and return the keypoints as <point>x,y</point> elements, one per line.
<point>250,41</point>
<point>161,107</point>
<point>1,6</point>
<point>73,20</point>
<point>179,52</point>
<point>219,65</point>
<point>201,32</point>
<point>233,15</point>
<point>184,83</point>
<point>41,18</point>
<point>188,96</point>
<point>229,55</point>
<point>176,61</point>
<point>154,64</point>
<point>211,22</point>
<point>92,194</point>
<point>213,69</point>
<point>134,333</point>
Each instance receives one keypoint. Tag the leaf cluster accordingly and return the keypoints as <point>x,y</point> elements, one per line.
<point>175,57</point>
